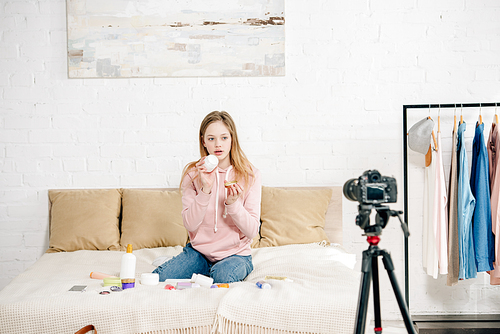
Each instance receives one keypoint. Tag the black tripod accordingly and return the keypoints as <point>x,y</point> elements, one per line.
<point>369,268</point>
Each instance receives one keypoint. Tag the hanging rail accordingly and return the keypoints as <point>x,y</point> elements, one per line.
<point>405,170</point>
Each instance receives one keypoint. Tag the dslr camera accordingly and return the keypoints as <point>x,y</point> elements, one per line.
<point>371,188</point>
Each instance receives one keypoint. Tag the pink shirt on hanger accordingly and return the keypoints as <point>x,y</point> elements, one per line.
<point>493,156</point>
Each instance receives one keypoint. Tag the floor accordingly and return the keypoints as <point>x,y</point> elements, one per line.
<point>388,327</point>
<point>470,324</point>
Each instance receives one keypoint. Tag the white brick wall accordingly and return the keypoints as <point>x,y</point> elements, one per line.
<point>351,65</point>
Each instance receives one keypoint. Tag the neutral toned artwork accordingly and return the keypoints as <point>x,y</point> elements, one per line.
<point>183,38</point>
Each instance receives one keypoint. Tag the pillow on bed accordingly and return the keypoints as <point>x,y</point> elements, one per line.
<point>84,219</point>
<point>152,218</point>
<point>293,216</point>
<point>256,240</point>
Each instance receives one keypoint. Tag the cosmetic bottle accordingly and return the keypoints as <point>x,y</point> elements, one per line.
<point>127,271</point>
<point>202,280</point>
<point>263,285</point>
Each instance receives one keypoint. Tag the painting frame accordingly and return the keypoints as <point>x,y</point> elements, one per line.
<point>158,38</point>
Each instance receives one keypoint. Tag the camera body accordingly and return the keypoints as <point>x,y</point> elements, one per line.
<point>371,188</point>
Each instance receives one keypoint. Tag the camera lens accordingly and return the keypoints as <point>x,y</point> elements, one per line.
<point>349,189</point>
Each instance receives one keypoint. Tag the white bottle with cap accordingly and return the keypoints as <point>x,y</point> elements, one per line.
<point>202,280</point>
<point>211,162</point>
<point>263,285</point>
<point>128,264</point>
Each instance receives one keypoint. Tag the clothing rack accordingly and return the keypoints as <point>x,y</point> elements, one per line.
<point>405,170</point>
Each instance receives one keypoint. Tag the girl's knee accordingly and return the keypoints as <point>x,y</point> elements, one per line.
<point>221,276</point>
<point>183,265</point>
<point>231,272</point>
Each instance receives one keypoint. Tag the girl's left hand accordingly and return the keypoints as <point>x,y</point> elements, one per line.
<point>233,193</point>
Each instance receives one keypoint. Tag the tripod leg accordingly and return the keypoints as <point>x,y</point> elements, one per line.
<point>376,296</point>
<point>389,266</point>
<point>364,293</point>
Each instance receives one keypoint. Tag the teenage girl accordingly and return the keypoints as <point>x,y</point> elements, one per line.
<point>221,220</point>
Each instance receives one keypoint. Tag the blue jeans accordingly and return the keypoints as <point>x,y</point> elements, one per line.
<point>233,268</point>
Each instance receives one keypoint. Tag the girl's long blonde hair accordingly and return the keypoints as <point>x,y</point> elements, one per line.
<point>241,165</point>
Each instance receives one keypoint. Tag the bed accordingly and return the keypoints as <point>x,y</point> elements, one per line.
<point>300,238</point>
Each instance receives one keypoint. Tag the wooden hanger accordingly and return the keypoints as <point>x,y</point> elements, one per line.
<point>480,121</point>
<point>461,114</point>
<point>455,120</point>
<point>496,115</point>
<point>434,136</point>
<point>428,157</point>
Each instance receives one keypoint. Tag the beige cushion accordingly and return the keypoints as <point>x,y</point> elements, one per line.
<point>256,241</point>
<point>293,216</point>
<point>152,218</point>
<point>333,224</point>
<point>84,219</point>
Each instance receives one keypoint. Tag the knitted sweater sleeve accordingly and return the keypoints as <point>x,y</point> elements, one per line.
<point>194,204</point>
<point>246,213</point>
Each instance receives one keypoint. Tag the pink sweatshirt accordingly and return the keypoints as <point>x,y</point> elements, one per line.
<point>215,229</point>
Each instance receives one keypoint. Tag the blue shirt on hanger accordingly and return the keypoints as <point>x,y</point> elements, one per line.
<point>466,204</point>
<point>484,242</point>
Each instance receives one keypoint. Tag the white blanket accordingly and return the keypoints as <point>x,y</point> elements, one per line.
<point>321,299</point>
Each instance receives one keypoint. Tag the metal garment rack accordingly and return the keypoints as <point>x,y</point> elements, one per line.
<point>405,170</point>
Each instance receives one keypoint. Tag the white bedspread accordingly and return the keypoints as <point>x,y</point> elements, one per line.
<point>322,298</point>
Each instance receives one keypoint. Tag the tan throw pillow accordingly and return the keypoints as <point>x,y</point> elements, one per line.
<point>152,218</point>
<point>293,216</point>
<point>84,219</point>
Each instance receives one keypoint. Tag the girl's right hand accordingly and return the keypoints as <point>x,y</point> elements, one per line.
<point>207,178</point>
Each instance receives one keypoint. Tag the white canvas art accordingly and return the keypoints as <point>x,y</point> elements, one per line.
<point>183,38</point>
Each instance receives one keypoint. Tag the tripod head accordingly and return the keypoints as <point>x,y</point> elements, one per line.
<point>381,219</point>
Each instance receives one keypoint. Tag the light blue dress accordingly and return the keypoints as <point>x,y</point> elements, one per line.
<point>484,242</point>
<point>466,204</point>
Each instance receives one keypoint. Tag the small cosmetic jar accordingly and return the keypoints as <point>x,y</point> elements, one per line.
<point>211,162</point>
<point>150,279</point>
<point>110,281</point>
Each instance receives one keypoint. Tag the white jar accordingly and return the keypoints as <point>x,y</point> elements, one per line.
<point>211,162</point>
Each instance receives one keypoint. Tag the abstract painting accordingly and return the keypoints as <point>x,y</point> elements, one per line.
<point>175,38</point>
